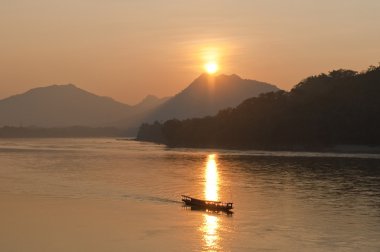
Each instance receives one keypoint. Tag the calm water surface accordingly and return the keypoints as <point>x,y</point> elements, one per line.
<point>284,201</point>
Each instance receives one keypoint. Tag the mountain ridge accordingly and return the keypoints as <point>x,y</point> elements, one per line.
<point>59,105</point>
<point>207,94</point>
<point>340,108</point>
<point>68,105</point>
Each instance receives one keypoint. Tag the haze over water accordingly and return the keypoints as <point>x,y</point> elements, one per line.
<point>110,195</point>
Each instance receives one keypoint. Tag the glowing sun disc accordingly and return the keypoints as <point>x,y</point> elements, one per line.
<point>211,67</point>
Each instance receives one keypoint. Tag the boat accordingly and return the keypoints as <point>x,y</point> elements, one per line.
<point>207,204</point>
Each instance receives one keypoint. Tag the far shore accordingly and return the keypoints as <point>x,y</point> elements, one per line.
<point>341,148</point>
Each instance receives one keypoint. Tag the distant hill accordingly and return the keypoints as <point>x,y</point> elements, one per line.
<point>138,114</point>
<point>148,103</point>
<point>68,105</point>
<point>60,106</point>
<point>60,132</point>
<point>208,94</point>
<point>338,108</point>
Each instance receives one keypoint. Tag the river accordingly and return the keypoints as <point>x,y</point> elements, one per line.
<point>122,195</point>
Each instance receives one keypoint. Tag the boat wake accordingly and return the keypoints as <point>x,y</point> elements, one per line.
<point>150,198</point>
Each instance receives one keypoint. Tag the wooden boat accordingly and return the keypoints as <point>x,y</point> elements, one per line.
<point>207,204</point>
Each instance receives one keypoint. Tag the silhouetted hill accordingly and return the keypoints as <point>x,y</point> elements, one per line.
<point>206,95</point>
<point>60,105</point>
<point>139,113</point>
<point>60,132</point>
<point>339,108</point>
<point>149,102</point>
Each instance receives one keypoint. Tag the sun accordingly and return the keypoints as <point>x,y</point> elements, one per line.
<point>211,67</point>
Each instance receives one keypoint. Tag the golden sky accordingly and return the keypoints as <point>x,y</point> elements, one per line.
<point>127,49</point>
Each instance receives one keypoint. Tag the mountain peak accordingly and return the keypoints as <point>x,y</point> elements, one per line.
<point>69,85</point>
<point>60,105</point>
<point>208,94</point>
<point>232,82</point>
<point>206,78</point>
<point>233,76</point>
<point>202,75</point>
<point>54,87</point>
<point>149,98</point>
<point>150,101</point>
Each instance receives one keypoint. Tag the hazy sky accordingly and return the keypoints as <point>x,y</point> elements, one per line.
<point>127,49</point>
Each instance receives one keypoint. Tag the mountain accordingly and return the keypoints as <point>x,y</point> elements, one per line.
<point>340,108</point>
<point>138,114</point>
<point>68,105</point>
<point>206,95</point>
<point>60,105</point>
<point>148,103</point>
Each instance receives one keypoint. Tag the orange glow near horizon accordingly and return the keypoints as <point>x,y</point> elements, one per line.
<point>211,57</point>
<point>211,67</point>
<point>129,52</point>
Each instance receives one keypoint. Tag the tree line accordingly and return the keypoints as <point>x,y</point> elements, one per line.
<point>338,108</point>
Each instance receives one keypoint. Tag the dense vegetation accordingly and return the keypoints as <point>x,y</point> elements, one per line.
<point>338,108</point>
<point>75,131</point>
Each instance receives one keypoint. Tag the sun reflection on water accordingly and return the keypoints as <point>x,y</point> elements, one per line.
<point>211,178</point>
<point>210,232</point>
<point>210,224</point>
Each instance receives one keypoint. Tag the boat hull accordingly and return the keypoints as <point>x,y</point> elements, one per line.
<point>207,205</point>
